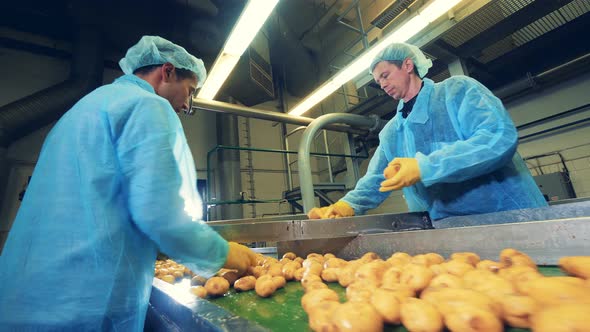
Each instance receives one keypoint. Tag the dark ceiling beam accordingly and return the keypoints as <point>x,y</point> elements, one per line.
<point>552,49</point>
<point>509,25</point>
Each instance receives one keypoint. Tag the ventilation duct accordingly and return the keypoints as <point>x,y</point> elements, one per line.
<point>391,13</point>
<point>28,114</point>
<point>252,82</point>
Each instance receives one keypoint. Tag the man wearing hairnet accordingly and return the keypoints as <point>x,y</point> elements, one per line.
<point>451,146</point>
<point>114,184</point>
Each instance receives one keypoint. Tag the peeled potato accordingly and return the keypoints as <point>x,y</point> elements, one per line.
<point>357,316</point>
<point>217,286</point>
<point>372,271</point>
<point>467,257</point>
<point>199,291</point>
<point>517,310</point>
<point>552,291</point>
<point>391,276</point>
<point>434,258</point>
<point>512,257</point>
<point>279,281</point>
<point>445,299</point>
<point>289,255</point>
<point>245,283</point>
<point>360,291</point>
<point>419,315</point>
<point>387,304</point>
<point>416,277</point>
<point>315,285</point>
<point>168,278</point>
<point>316,296</point>
<point>330,274</point>
<point>320,316</point>
<point>457,267</point>
<point>264,286</point>
<point>562,318</point>
<point>446,280</point>
<point>472,319</point>
<point>489,265</point>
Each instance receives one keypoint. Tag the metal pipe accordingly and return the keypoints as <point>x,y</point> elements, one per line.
<point>551,117</point>
<point>553,129</point>
<point>305,176</point>
<point>216,106</point>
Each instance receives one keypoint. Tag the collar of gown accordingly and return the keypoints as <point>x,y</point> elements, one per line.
<point>133,79</point>
<point>419,112</point>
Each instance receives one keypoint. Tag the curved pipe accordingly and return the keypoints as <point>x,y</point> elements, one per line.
<point>304,164</point>
<point>217,106</point>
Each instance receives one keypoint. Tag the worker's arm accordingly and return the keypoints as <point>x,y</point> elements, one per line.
<point>488,136</point>
<point>160,179</point>
<point>366,194</point>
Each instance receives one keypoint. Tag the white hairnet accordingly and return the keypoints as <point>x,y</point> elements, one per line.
<point>400,52</point>
<point>154,50</point>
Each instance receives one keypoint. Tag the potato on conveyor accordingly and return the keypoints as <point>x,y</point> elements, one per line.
<point>419,315</point>
<point>457,267</point>
<point>199,291</point>
<point>467,257</point>
<point>512,257</point>
<point>416,277</point>
<point>578,266</point>
<point>387,304</point>
<point>217,286</point>
<point>517,310</point>
<point>553,291</point>
<point>360,291</point>
<point>290,255</point>
<point>279,281</point>
<point>445,299</point>
<point>489,265</point>
<point>168,278</point>
<point>472,319</point>
<point>357,316</point>
<point>264,286</point>
<point>315,285</point>
<point>313,298</point>
<point>562,318</point>
<point>245,283</point>
<point>320,316</point>
<point>446,280</point>
<point>330,274</point>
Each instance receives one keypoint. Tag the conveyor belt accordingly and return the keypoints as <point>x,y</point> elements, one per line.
<point>248,312</point>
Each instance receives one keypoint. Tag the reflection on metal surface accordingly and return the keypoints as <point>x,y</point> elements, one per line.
<point>545,241</point>
<point>290,230</point>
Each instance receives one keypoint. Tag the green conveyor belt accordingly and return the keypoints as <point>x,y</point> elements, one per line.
<point>283,312</point>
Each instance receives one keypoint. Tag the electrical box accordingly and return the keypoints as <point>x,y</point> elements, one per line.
<point>555,186</point>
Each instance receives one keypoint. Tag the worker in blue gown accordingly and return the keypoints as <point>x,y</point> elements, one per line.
<point>114,184</point>
<point>451,147</point>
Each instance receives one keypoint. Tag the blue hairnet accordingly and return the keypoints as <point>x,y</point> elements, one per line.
<point>400,52</point>
<point>154,50</point>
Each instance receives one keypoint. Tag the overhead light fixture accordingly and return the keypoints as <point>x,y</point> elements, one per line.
<point>425,16</point>
<point>251,20</point>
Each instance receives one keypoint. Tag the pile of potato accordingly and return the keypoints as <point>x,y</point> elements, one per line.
<point>423,292</point>
<point>170,271</point>
<point>428,293</point>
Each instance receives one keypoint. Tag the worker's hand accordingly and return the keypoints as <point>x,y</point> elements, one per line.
<point>239,257</point>
<point>401,172</point>
<point>339,209</point>
<point>317,213</point>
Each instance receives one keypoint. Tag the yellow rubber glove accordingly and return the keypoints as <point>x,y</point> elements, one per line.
<point>239,257</point>
<point>339,209</point>
<point>401,172</point>
<point>317,213</point>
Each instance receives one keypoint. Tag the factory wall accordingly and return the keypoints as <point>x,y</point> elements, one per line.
<point>572,142</point>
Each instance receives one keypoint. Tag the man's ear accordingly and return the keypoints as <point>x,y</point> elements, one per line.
<point>409,65</point>
<point>167,71</point>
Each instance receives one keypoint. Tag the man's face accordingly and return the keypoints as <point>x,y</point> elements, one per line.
<point>395,81</point>
<point>179,91</point>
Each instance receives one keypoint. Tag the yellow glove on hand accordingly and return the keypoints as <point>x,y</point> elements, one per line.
<point>401,172</point>
<point>239,257</point>
<point>339,209</point>
<point>317,213</point>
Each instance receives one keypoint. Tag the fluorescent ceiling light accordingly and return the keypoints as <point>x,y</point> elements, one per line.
<point>251,20</point>
<point>425,16</point>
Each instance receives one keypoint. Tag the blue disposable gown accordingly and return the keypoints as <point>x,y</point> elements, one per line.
<point>114,183</point>
<point>465,144</point>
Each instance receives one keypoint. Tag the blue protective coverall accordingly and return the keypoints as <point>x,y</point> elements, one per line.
<point>465,144</point>
<point>114,183</point>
